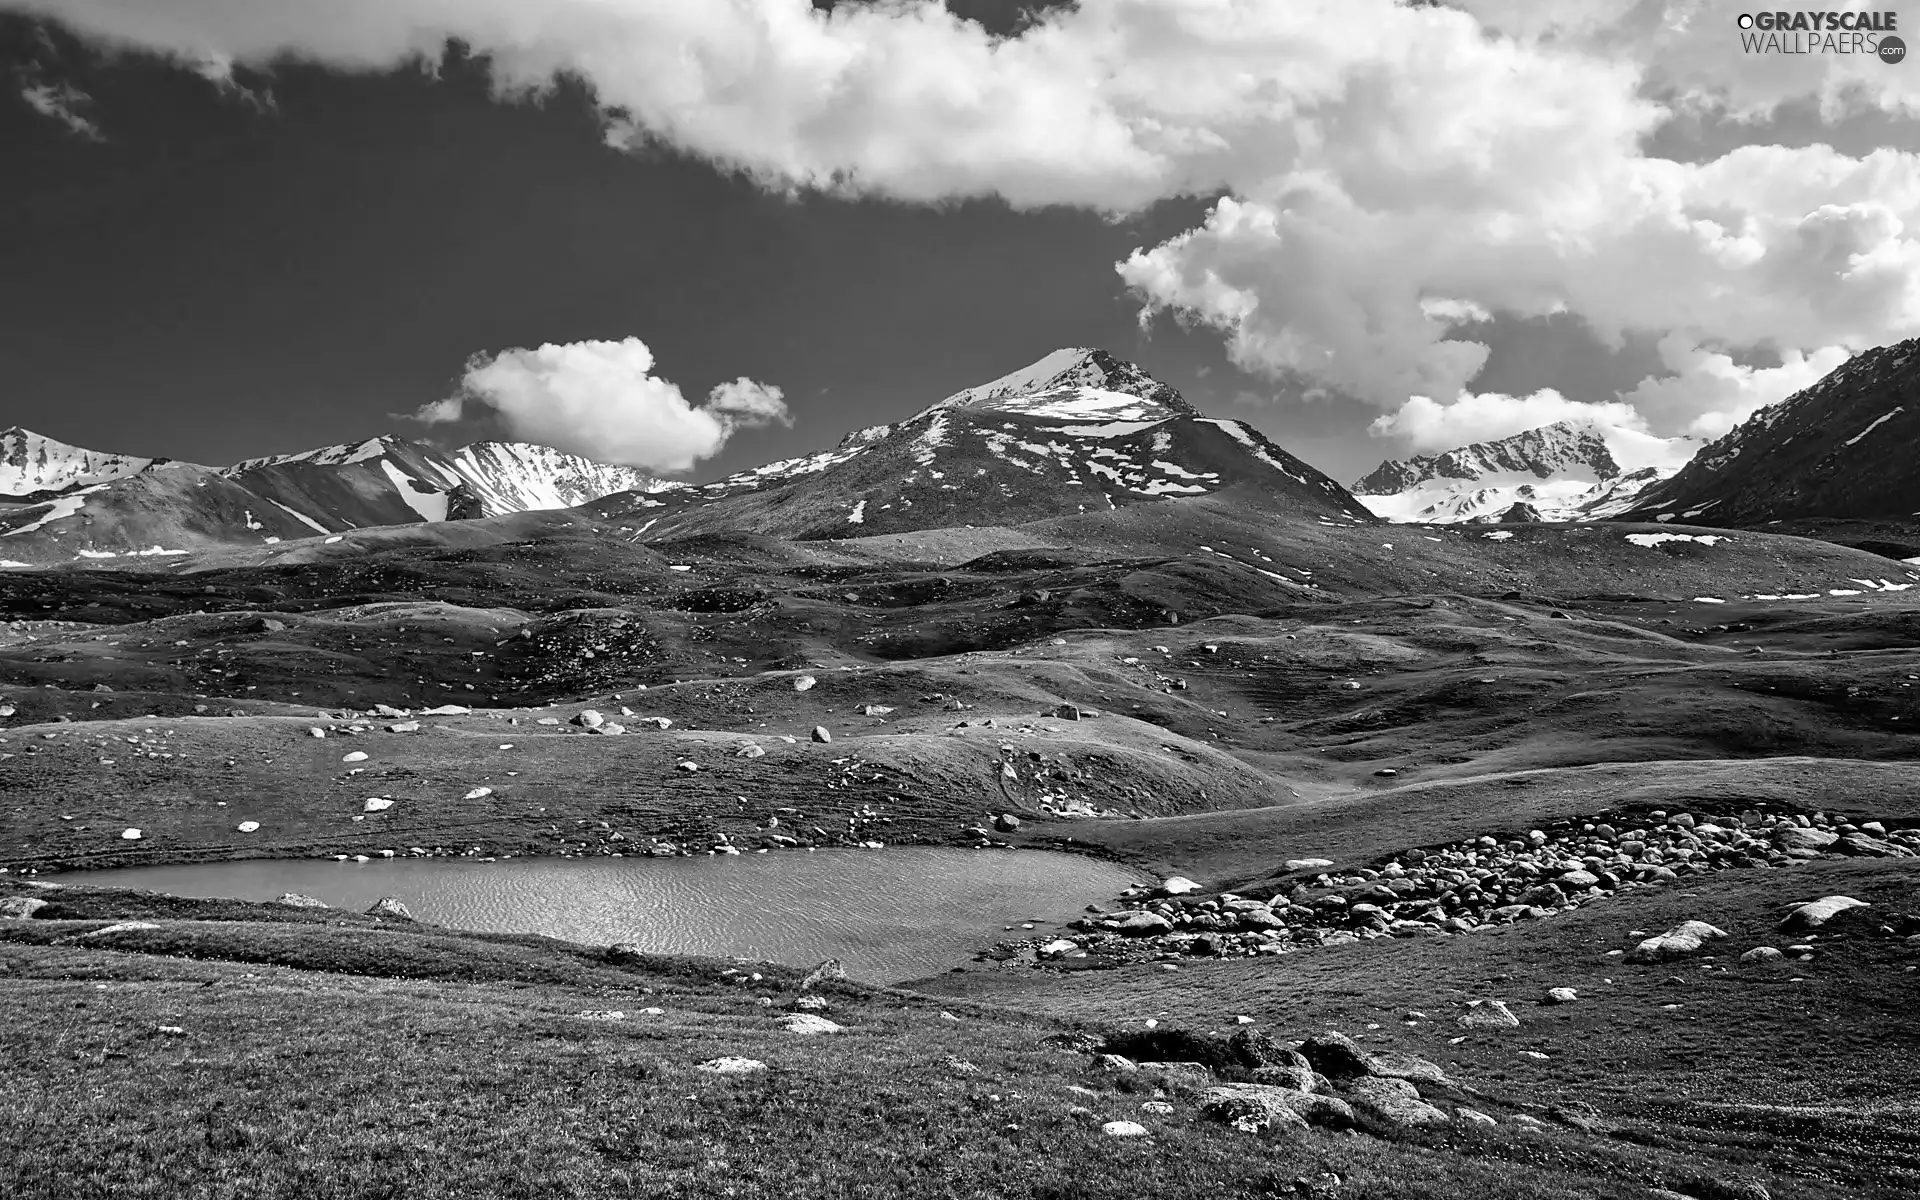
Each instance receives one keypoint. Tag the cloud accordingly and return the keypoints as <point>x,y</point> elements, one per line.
<point>217,69</point>
<point>1708,393</point>
<point>1428,427</point>
<point>1392,174</point>
<point>64,103</point>
<point>601,400</point>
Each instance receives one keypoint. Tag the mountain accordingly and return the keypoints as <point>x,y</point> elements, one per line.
<point>1842,448</point>
<point>108,507</point>
<point>30,464</point>
<point>1567,471</point>
<point>1077,431</point>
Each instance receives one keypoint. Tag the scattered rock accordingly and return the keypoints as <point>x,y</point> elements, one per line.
<point>820,734</point>
<point>20,907</point>
<point>1178,885</point>
<point>1488,1014</point>
<point>353,756</point>
<point>1124,1129</point>
<point>479,793</point>
<point>1560,995</point>
<point>376,804</point>
<point>296,900</point>
<point>1473,1116</point>
<point>811,1024</point>
<point>1762,954</point>
<point>1006,823</point>
<point>1336,1055</point>
<point>389,906</point>
<point>1308,864</point>
<point>1392,1064</point>
<point>589,718</point>
<point>247,826</point>
<point>131,835</point>
<point>804,683</point>
<point>1816,913</point>
<point>828,969</point>
<point>1688,937</point>
<point>731,1066</point>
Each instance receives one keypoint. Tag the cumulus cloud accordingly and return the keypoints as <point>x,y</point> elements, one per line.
<point>1426,426</point>
<point>1394,174</point>
<point>601,400</point>
<point>1708,393</point>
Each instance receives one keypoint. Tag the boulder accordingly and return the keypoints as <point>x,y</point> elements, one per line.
<point>589,718</point>
<point>296,900</point>
<point>1394,1102</point>
<point>1392,1064</point>
<point>821,735</point>
<point>1560,995</point>
<point>389,906</point>
<point>1006,823</point>
<point>810,1024</point>
<point>1308,864</point>
<point>20,907</point>
<point>828,969</point>
<point>1864,846</point>
<point>1688,937</point>
<point>1288,1076</point>
<point>1816,913</point>
<point>1178,885</point>
<point>1488,1014</point>
<point>1254,1049</point>
<point>1253,1108</point>
<point>1124,1129</point>
<point>1336,1055</point>
<point>1796,837</point>
<point>1763,954</point>
<point>731,1066</point>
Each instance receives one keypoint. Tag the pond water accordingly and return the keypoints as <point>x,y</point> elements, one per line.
<point>888,915</point>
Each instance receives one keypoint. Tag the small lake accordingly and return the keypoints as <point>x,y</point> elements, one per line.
<point>888,915</point>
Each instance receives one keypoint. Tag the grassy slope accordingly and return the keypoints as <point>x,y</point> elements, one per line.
<point>396,1061</point>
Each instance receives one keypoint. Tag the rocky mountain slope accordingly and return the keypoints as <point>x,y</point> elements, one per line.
<point>109,506</point>
<point>1843,448</point>
<point>1078,431</point>
<point>1568,471</point>
<point>31,464</point>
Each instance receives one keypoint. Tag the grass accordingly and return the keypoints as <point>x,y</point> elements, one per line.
<point>338,1060</point>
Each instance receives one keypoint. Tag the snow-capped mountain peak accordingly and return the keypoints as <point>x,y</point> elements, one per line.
<point>1075,383</point>
<point>30,462</point>
<point>1567,471</point>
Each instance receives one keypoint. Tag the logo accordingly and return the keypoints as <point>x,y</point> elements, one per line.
<point>1797,33</point>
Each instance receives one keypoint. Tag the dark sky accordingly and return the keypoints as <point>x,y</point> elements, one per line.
<point>210,281</point>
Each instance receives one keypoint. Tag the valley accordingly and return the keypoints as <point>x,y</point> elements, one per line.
<point>1388,791</point>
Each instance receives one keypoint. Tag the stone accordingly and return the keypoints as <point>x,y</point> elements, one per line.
<point>1124,1129</point>
<point>1006,823</point>
<point>1392,1064</point>
<point>1473,1116</point>
<point>479,793</point>
<point>828,969</point>
<point>1816,913</point>
<point>1064,712</point>
<point>376,804</point>
<point>1253,1108</point>
<point>1178,885</point>
<point>1864,846</point>
<point>1117,1063</point>
<point>1393,1101</point>
<point>811,1024</point>
<point>731,1066</point>
<point>1286,1075</point>
<point>750,750</point>
<point>131,835</point>
<point>1487,1014</point>
<point>19,908</point>
<point>390,906</point>
<point>1059,947</point>
<point>120,927</point>
<point>1688,937</point>
<point>589,718</point>
<point>821,735</point>
<point>1795,837</point>
<point>1253,1048</point>
<point>1308,864</point>
<point>1560,995</point>
<point>296,900</point>
<point>1336,1055</point>
<point>247,826</point>
<point>1762,954</point>
<point>804,683</point>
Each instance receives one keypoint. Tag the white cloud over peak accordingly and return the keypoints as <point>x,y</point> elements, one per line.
<point>602,401</point>
<point>64,103</point>
<point>1429,427</point>
<point>1394,174</point>
<point>1708,393</point>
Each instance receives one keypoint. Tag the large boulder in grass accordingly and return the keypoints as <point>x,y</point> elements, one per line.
<point>20,907</point>
<point>1816,913</point>
<point>1253,1108</point>
<point>1391,1064</point>
<point>1393,1101</point>
<point>1256,1049</point>
<point>1336,1055</point>
<point>1686,938</point>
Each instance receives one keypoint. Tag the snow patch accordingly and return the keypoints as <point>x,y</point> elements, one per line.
<point>1876,424</point>
<point>859,514</point>
<point>1498,535</point>
<point>1650,540</point>
<point>432,506</point>
<point>303,518</point>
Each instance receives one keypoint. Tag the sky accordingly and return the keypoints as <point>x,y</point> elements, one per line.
<point>698,235</point>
